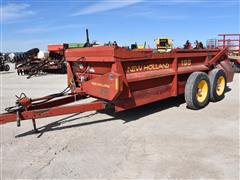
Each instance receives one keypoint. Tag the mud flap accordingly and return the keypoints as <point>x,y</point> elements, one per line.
<point>228,69</point>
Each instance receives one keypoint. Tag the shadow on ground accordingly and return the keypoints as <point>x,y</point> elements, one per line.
<point>43,74</point>
<point>6,72</point>
<point>126,116</point>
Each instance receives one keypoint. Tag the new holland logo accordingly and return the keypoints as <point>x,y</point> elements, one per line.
<point>148,67</point>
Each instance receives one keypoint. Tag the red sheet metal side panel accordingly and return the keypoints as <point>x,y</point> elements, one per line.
<point>97,54</point>
<point>56,47</point>
<point>148,69</point>
<point>151,80</point>
<point>145,77</point>
<point>143,97</point>
<point>123,53</point>
<point>106,87</point>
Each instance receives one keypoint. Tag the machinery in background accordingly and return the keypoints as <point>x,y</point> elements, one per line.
<point>3,65</point>
<point>34,62</point>
<point>212,43</point>
<point>198,45</point>
<point>164,45</point>
<point>85,44</point>
<point>232,42</point>
<point>55,61</point>
<point>8,57</point>
<point>138,46</point>
<point>187,45</point>
<point>28,62</point>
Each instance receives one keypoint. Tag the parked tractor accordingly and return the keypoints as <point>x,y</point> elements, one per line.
<point>3,65</point>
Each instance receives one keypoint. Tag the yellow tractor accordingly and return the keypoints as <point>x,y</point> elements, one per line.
<point>164,45</point>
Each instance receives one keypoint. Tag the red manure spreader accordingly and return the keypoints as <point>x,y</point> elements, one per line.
<point>122,79</point>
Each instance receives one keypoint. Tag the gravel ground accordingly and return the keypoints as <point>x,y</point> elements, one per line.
<point>156,141</point>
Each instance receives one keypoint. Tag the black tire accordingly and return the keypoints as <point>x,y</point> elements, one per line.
<point>192,94</point>
<point>217,90</point>
<point>236,67</point>
<point>7,67</point>
<point>63,70</point>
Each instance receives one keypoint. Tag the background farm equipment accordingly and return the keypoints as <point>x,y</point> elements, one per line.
<point>198,45</point>
<point>232,43</point>
<point>32,62</point>
<point>3,65</point>
<point>28,63</point>
<point>164,44</point>
<point>8,57</point>
<point>55,62</point>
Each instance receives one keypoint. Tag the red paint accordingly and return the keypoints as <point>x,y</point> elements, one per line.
<point>126,78</point>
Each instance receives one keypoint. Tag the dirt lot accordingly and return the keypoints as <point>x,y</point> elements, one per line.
<point>159,140</point>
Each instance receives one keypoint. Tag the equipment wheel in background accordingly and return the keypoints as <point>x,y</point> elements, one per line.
<point>63,70</point>
<point>218,83</point>
<point>6,67</point>
<point>197,90</point>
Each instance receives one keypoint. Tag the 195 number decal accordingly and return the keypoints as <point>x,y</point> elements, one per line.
<point>186,62</point>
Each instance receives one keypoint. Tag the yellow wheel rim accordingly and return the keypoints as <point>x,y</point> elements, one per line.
<point>202,91</point>
<point>220,85</point>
